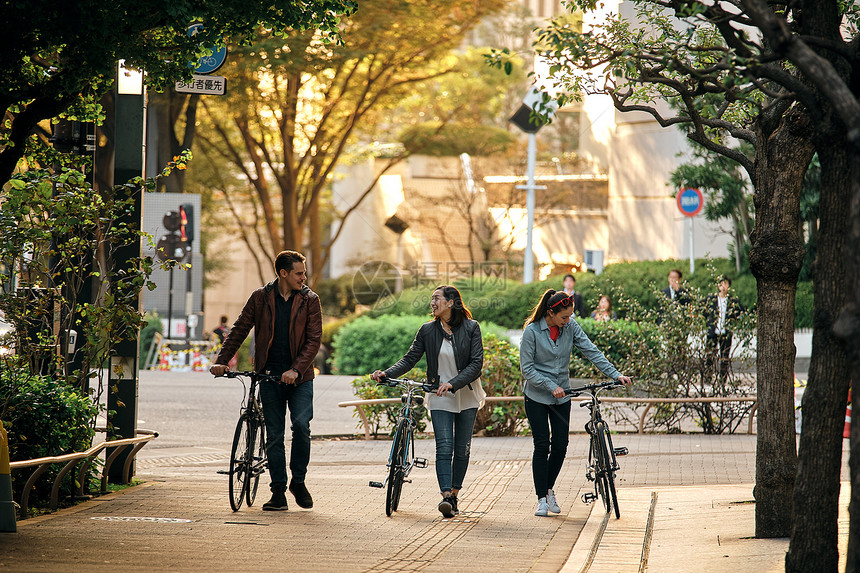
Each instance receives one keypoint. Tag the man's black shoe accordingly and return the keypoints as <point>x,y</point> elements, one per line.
<point>277,503</point>
<point>302,495</point>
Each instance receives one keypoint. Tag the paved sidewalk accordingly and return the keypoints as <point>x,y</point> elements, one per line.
<point>180,520</point>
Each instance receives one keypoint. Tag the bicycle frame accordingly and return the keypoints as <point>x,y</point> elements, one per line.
<point>248,459</point>
<point>401,458</point>
<point>602,474</point>
<point>410,401</point>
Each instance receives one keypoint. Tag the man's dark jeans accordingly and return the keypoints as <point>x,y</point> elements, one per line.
<point>277,398</point>
<point>549,451</point>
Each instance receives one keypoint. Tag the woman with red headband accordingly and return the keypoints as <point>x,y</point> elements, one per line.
<point>548,339</point>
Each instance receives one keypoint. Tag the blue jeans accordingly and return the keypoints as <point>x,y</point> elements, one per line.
<point>453,433</point>
<point>550,424</point>
<point>276,397</point>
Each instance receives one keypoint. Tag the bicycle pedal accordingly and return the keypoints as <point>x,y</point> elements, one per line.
<point>223,472</point>
<point>420,462</point>
<point>621,451</point>
<point>589,497</point>
<point>375,484</point>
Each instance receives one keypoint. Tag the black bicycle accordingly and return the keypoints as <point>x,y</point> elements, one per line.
<point>248,454</point>
<point>402,458</point>
<point>602,463</point>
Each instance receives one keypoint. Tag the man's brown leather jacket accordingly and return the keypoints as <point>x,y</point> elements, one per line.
<point>259,313</point>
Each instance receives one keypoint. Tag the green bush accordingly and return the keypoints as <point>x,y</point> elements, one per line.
<point>336,296</point>
<point>803,305</point>
<point>382,417</point>
<point>43,417</point>
<point>501,376</point>
<point>508,303</point>
<point>331,327</point>
<point>368,344</point>
<point>151,324</point>
<point>630,346</point>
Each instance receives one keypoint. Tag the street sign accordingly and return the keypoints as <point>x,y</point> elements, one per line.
<point>533,103</point>
<point>208,64</point>
<point>690,201</point>
<point>210,85</point>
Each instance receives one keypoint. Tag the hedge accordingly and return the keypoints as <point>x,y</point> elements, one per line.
<point>367,344</point>
<point>508,303</point>
<point>43,417</point>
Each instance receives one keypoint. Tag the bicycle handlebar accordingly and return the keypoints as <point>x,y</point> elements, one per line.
<point>259,376</point>
<point>394,382</point>
<point>592,388</point>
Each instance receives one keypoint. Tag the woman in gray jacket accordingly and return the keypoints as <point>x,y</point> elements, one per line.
<point>455,359</point>
<point>548,339</point>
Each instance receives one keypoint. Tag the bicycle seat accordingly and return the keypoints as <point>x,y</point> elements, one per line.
<point>417,399</point>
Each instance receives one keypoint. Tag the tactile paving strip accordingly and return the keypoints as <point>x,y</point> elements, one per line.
<point>433,540</point>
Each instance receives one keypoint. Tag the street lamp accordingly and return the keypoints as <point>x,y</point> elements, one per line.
<point>536,110</point>
<point>129,82</point>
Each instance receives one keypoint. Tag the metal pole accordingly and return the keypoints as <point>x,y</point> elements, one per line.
<point>692,263</point>
<point>528,266</point>
<point>398,280</point>
<point>170,305</point>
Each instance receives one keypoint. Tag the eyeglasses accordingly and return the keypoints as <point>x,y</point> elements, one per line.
<point>565,302</point>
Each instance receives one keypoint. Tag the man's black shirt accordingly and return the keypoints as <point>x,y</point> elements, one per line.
<point>280,358</point>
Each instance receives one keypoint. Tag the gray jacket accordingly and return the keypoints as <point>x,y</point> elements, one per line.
<point>546,364</point>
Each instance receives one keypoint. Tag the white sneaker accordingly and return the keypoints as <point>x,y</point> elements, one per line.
<point>542,507</point>
<point>552,502</point>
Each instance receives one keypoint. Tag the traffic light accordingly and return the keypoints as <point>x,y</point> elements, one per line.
<point>173,245</point>
<point>172,220</point>
<point>186,217</point>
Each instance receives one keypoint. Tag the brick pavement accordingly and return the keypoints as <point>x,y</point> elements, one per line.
<point>347,530</point>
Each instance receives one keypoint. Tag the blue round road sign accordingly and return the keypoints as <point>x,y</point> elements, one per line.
<point>208,64</point>
<point>690,201</point>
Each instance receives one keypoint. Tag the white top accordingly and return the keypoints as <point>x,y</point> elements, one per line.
<point>721,323</point>
<point>462,399</point>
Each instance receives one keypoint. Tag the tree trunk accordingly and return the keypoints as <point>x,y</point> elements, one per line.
<point>783,152</point>
<point>847,328</point>
<point>315,238</point>
<point>169,106</point>
<point>814,537</point>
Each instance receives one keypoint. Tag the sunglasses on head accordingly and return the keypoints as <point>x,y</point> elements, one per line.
<point>565,302</point>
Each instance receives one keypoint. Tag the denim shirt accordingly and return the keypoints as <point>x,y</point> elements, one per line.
<point>546,364</point>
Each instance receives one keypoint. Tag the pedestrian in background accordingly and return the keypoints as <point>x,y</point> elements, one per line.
<point>548,340</point>
<point>455,358</point>
<point>721,309</point>
<point>604,312</point>
<point>287,320</point>
<point>221,331</point>
<point>569,283</point>
<point>675,292</point>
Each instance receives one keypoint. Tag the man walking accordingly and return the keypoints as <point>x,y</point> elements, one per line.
<point>287,321</point>
<point>720,311</point>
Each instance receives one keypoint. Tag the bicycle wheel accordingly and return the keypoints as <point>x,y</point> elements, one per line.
<point>257,465</point>
<point>605,443</point>
<point>395,472</point>
<point>596,462</point>
<point>239,463</point>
